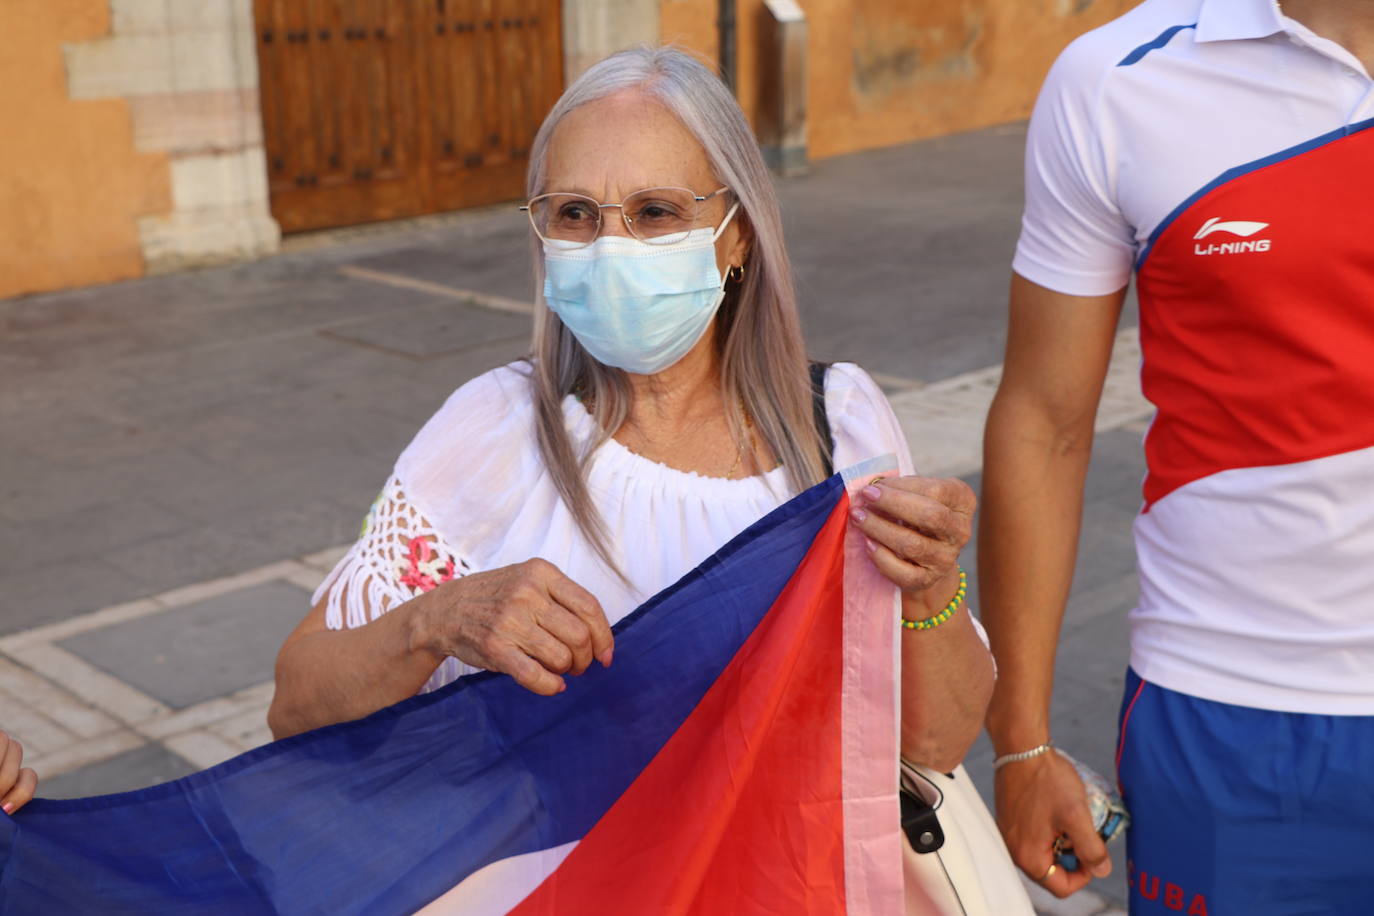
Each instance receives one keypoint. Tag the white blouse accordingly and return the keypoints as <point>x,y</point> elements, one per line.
<point>471,493</point>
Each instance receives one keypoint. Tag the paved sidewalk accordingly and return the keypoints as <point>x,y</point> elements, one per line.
<point>185,457</point>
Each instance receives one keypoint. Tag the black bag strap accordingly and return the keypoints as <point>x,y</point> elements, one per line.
<point>821,420</point>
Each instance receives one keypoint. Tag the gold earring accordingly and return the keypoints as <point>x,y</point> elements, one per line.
<point>736,273</point>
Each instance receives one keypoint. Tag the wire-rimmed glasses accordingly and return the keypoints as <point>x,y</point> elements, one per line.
<point>659,216</point>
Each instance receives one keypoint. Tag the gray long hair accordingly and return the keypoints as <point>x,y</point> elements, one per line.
<point>758,332</point>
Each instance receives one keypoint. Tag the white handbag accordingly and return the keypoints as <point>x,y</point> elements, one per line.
<point>971,873</point>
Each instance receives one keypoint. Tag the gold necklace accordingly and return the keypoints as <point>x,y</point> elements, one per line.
<point>748,439</point>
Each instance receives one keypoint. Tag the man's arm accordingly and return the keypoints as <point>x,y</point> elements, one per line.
<point>1036,449</point>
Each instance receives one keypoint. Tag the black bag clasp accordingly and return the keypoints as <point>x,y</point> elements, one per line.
<point>920,823</point>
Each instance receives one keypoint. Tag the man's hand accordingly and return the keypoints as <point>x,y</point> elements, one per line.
<point>1035,458</point>
<point>1039,801</point>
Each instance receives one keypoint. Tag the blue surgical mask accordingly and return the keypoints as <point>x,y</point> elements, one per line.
<point>633,305</point>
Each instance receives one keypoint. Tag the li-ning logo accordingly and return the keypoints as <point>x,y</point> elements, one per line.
<point>1239,227</point>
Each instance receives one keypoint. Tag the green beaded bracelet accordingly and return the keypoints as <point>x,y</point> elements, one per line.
<point>948,612</point>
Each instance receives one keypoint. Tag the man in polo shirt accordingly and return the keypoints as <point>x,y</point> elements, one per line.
<point>1224,151</point>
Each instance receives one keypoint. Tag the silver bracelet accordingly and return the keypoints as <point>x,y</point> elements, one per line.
<point>1021,755</point>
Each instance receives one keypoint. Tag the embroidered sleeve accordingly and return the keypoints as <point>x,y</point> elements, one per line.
<point>397,556</point>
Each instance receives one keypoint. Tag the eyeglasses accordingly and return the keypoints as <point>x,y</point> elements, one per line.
<point>659,216</point>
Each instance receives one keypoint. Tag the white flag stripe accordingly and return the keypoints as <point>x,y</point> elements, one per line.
<point>497,888</point>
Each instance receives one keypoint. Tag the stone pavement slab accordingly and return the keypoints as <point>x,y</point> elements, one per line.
<point>916,244</point>
<point>198,662</point>
<point>434,331</point>
<point>57,589</point>
<point>147,765</point>
<point>944,421</point>
<point>489,255</point>
<point>165,467</point>
<point>218,646</point>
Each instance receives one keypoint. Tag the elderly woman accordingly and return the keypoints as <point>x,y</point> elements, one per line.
<point>667,405</point>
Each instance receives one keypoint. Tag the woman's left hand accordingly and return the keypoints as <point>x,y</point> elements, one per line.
<point>916,527</point>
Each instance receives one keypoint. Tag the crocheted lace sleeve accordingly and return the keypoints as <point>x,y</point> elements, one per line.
<point>398,555</point>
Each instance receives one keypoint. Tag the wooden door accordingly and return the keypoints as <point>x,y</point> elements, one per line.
<point>378,109</point>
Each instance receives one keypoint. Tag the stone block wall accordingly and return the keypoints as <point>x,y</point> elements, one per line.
<point>131,141</point>
<point>72,185</point>
<point>594,29</point>
<point>188,72</point>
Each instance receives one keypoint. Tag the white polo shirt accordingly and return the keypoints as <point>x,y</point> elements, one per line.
<point>1224,153</point>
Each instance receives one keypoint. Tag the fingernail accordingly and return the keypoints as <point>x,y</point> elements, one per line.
<point>562,686</point>
<point>872,547</point>
<point>9,807</point>
<point>858,515</point>
<point>605,658</point>
<point>1103,868</point>
<point>871,493</point>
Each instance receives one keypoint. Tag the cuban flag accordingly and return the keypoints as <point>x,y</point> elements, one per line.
<point>740,757</point>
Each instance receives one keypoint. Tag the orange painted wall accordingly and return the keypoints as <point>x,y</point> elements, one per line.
<point>71,186</point>
<point>691,24</point>
<point>892,71</point>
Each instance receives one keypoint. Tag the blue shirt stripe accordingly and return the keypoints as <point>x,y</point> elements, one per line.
<point>1160,41</point>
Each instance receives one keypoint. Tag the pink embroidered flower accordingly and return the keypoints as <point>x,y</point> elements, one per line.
<point>424,569</point>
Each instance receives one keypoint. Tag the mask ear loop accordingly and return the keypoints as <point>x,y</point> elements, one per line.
<point>729,215</point>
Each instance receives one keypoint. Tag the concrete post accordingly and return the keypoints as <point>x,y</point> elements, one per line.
<point>781,112</point>
<point>593,29</point>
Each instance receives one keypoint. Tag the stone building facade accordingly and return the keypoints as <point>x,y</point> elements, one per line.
<point>134,136</point>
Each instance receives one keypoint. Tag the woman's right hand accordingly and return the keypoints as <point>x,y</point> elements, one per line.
<point>527,620</point>
<point>17,783</point>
